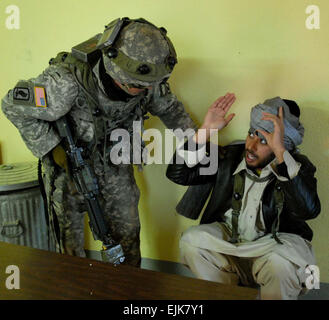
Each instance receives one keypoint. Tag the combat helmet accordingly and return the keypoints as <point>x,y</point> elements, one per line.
<point>137,52</point>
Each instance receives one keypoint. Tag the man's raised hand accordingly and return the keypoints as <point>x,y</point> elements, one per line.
<point>216,117</point>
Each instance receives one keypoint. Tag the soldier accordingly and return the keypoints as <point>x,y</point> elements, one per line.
<point>105,83</point>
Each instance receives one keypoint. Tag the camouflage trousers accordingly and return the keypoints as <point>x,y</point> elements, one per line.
<point>119,201</point>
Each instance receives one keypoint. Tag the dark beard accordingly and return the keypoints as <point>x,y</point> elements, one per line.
<point>263,164</point>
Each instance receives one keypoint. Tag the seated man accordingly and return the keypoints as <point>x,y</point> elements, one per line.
<point>253,229</point>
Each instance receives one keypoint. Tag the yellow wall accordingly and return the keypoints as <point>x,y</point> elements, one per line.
<point>257,49</point>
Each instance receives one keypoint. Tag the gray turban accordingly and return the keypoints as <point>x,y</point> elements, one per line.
<point>293,129</point>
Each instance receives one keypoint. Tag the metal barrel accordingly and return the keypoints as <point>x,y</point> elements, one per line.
<point>22,214</point>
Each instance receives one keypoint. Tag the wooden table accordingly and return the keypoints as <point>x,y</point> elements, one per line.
<point>47,275</point>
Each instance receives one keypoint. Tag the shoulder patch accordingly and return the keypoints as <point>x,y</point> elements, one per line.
<point>28,94</point>
<point>21,93</point>
<point>40,96</point>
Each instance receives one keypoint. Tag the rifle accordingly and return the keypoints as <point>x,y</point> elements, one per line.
<point>86,184</point>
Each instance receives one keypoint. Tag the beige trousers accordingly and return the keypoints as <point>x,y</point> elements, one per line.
<point>250,264</point>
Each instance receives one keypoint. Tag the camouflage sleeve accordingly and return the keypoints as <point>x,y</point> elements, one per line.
<point>166,106</point>
<point>34,123</point>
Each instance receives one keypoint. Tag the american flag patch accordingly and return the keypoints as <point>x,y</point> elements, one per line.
<point>40,97</point>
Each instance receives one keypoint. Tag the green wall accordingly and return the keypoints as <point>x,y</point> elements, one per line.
<point>257,49</point>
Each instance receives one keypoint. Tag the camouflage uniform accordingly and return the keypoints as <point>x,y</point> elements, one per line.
<point>67,96</point>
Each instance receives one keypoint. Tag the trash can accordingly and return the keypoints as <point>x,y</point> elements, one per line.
<point>22,214</point>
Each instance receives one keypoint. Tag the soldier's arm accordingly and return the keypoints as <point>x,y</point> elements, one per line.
<point>32,105</point>
<point>166,106</point>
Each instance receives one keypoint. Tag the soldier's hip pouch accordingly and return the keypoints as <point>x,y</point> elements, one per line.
<point>60,158</point>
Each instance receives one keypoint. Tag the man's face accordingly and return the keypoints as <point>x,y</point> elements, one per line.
<point>258,154</point>
<point>132,90</point>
